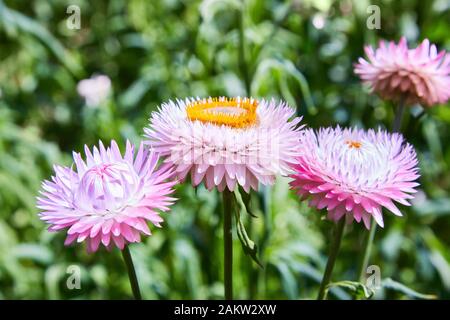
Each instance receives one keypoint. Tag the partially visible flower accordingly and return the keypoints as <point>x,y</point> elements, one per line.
<point>94,90</point>
<point>109,198</point>
<point>354,173</point>
<point>319,20</point>
<point>419,75</point>
<point>226,142</point>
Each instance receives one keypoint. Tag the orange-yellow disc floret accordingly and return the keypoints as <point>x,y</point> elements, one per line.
<point>353,144</point>
<point>233,112</point>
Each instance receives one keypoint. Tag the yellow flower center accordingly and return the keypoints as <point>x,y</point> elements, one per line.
<point>233,112</point>
<point>353,144</point>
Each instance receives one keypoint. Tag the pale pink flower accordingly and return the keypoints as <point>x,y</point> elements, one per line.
<point>226,142</point>
<point>419,75</point>
<point>94,90</point>
<point>109,198</point>
<point>354,173</point>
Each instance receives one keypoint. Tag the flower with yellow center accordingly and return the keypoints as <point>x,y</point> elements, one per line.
<point>234,112</point>
<point>226,141</point>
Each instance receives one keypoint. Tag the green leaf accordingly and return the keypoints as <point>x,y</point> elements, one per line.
<point>190,269</point>
<point>14,186</point>
<point>433,207</point>
<point>209,8</point>
<point>53,276</point>
<point>28,25</point>
<point>34,252</point>
<point>438,255</point>
<point>357,289</point>
<point>288,280</point>
<point>248,245</point>
<point>131,97</point>
<point>244,200</point>
<point>316,275</point>
<point>400,287</point>
<point>286,67</point>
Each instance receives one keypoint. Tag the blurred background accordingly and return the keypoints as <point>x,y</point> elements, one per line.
<point>152,51</point>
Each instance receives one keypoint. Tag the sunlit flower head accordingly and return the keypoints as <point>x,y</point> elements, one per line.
<point>94,90</point>
<point>226,142</point>
<point>354,173</point>
<point>419,75</point>
<point>109,198</point>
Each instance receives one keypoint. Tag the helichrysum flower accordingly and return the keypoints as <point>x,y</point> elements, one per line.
<point>419,75</point>
<point>94,90</point>
<point>354,173</point>
<point>109,198</point>
<point>225,142</point>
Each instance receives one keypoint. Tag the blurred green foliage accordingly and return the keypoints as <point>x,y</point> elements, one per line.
<point>300,51</point>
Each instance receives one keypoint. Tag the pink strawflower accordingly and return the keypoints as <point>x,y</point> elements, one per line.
<point>420,75</point>
<point>354,173</point>
<point>109,198</point>
<point>226,142</point>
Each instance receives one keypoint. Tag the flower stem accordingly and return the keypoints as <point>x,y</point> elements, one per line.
<point>131,273</point>
<point>367,251</point>
<point>334,250</point>
<point>242,62</point>
<point>399,110</point>
<point>227,244</point>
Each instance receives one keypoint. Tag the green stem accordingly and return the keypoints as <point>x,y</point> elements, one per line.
<point>417,120</point>
<point>265,206</point>
<point>241,58</point>
<point>367,251</point>
<point>334,250</point>
<point>228,244</point>
<point>399,111</point>
<point>131,273</point>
